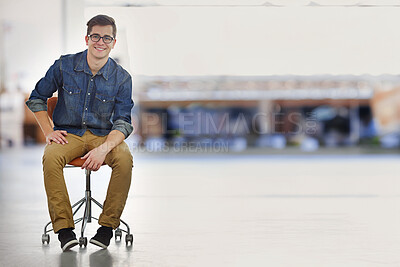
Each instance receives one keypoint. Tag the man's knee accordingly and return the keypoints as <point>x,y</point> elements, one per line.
<point>124,158</point>
<point>53,157</point>
<point>121,157</point>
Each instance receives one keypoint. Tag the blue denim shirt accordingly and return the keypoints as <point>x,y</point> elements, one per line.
<point>99,103</point>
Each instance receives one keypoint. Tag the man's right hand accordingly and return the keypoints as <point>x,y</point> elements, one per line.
<point>57,136</point>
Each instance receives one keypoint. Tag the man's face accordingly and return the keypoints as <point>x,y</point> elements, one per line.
<point>100,50</point>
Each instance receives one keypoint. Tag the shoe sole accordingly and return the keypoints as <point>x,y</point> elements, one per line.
<point>70,245</point>
<point>97,243</point>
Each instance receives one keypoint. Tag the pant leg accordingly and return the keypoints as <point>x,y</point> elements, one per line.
<point>121,162</point>
<point>55,157</point>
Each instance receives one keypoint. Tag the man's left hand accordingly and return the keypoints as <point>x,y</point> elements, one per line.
<point>94,159</point>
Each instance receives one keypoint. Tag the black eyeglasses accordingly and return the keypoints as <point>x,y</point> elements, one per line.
<point>106,39</point>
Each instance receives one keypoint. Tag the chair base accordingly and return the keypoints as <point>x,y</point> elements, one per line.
<point>87,218</point>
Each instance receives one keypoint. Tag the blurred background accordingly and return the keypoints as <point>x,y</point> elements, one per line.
<point>224,76</point>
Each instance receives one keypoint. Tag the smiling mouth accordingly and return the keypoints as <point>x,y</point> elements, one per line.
<point>99,49</point>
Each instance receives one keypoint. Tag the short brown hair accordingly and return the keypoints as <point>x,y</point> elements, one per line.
<point>102,20</point>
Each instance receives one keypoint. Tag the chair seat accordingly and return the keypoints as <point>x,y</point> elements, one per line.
<point>78,162</point>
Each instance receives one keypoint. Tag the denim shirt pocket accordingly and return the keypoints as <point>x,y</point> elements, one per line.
<point>103,105</point>
<point>71,96</point>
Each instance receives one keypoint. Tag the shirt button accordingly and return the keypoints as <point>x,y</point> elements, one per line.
<point>88,93</point>
<point>85,108</point>
<point>70,93</point>
<point>84,122</point>
<point>91,80</point>
<point>104,100</point>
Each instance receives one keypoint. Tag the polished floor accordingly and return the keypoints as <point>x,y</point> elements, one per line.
<point>214,210</point>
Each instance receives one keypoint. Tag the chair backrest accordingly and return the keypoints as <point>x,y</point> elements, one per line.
<point>51,105</point>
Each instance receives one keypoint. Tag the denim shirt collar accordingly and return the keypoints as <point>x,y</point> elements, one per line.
<point>82,65</point>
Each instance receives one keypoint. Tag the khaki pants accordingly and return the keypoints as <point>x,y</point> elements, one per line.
<point>56,156</point>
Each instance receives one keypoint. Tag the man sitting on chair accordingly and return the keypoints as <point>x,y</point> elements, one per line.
<point>91,119</point>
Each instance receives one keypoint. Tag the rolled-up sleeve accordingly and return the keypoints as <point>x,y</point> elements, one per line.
<point>122,120</point>
<point>36,105</point>
<point>45,88</point>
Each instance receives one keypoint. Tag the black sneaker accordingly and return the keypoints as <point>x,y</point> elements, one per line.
<point>67,238</point>
<point>103,237</point>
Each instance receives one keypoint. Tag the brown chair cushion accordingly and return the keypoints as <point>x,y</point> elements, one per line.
<point>78,162</point>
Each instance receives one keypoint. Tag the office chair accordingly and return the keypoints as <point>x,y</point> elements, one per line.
<point>85,201</point>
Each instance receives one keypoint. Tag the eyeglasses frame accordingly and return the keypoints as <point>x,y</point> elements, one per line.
<point>101,37</point>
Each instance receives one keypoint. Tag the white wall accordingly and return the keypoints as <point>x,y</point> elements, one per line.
<point>206,40</point>
<point>35,35</point>
<point>260,40</point>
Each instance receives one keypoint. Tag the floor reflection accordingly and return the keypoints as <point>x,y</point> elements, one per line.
<point>100,258</point>
<point>68,259</point>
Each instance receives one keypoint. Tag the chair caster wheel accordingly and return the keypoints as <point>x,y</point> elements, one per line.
<point>129,238</point>
<point>83,242</point>
<point>45,238</point>
<point>118,233</point>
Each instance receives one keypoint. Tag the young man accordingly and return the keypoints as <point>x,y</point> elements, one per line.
<point>91,119</point>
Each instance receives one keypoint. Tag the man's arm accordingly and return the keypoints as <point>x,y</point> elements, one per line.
<point>122,120</point>
<point>37,103</point>
<point>95,157</point>
<point>122,127</point>
<point>44,122</point>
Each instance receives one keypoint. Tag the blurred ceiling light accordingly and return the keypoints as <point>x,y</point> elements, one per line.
<point>287,3</point>
<point>379,3</point>
<point>211,2</point>
<point>334,2</point>
<point>144,3</point>
<point>233,3</point>
<point>122,3</point>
